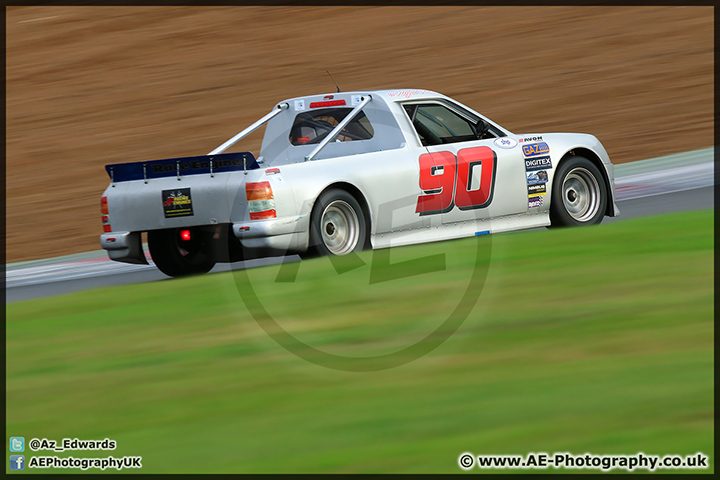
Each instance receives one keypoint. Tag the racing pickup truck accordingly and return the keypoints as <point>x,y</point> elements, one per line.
<point>342,172</point>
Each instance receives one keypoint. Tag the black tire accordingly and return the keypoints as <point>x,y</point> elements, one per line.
<point>579,194</point>
<point>337,225</point>
<point>176,257</point>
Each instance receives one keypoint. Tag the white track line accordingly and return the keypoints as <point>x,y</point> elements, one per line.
<point>665,181</point>
<point>69,271</point>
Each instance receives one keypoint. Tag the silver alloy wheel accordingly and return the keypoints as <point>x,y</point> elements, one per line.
<point>340,228</point>
<point>581,194</point>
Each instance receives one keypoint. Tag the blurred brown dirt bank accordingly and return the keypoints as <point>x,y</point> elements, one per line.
<point>87,86</point>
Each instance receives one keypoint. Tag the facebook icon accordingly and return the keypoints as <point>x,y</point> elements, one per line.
<point>17,462</point>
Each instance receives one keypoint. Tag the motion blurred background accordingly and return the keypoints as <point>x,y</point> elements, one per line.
<point>88,86</point>
<point>597,339</point>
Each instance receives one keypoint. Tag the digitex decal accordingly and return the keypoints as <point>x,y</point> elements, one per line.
<point>505,142</point>
<point>177,203</point>
<point>533,178</point>
<point>540,163</point>
<point>535,202</point>
<point>536,190</point>
<point>534,149</point>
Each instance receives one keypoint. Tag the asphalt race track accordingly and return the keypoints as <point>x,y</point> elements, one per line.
<point>675,183</point>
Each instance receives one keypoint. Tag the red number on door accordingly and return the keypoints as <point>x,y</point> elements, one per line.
<point>439,173</point>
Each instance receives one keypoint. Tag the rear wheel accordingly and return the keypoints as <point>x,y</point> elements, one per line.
<point>337,225</point>
<point>579,196</point>
<point>179,252</point>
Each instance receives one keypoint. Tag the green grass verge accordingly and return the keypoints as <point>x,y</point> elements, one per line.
<point>597,340</point>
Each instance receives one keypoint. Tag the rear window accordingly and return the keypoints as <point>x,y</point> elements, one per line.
<point>312,127</point>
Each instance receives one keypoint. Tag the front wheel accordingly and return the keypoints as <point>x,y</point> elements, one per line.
<point>579,196</point>
<point>337,225</point>
<point>178,252</point>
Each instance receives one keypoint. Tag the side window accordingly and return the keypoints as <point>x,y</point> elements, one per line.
<point>312,127</point>
<point>443,122</point>
<point>437,124</point>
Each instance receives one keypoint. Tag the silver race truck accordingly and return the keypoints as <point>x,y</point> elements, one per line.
<point>347,171</point>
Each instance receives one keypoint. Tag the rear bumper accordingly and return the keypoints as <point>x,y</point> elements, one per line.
<point>288,233</point>
<point>124,247</point>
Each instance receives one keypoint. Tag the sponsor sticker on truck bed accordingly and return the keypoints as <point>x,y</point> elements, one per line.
<point>177,202</point>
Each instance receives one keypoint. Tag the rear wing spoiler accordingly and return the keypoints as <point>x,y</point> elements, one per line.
<point>180,167</point>
<point>212,163</point>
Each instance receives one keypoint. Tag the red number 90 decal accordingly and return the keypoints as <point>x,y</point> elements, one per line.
<point>446,180</point>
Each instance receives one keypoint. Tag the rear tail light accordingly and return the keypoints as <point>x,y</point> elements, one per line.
<point>261,202</point>
<point>185,235</point>
<point>105,218</point>
<point>331,103</point>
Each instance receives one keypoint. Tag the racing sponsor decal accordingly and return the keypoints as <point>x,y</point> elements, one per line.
<point>535,149</point>
<point>533,178</point>
<point>299,105</point>
<point>408,93</point>
<point>540,163</point>
<point>356,99</point>
<point>274,174</point>
<point>193,165</point>
<point>175,167</point>
<point>446,180</point>
<point>535,202</point>
<point>531,139</point>
<point>505,142</point>
<point>177,203</point>
<point>536,190</point>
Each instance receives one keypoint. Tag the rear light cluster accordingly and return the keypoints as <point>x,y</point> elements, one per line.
<point>261,202</point>
<point>105,218</point>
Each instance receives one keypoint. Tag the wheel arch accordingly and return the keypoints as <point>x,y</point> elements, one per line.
<point>595,159</point>
<point>357,195</point>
